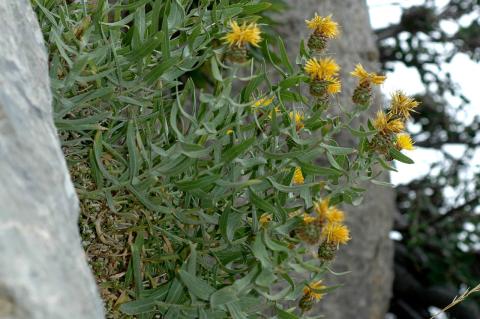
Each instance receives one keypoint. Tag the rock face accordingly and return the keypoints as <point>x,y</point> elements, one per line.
<point>43,270</point>
<point>369,255</point>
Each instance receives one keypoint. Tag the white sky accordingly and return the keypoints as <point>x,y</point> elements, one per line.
<point>463,70</point>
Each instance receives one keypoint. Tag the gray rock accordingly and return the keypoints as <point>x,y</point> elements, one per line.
<point>43,270</point>
<point>369,255</point>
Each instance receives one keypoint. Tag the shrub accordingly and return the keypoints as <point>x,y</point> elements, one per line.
<point>208,178</point>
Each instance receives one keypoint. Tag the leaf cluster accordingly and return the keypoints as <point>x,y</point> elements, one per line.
<point>164,143</point>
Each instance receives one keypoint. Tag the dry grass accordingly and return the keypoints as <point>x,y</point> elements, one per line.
<point>458,299</point>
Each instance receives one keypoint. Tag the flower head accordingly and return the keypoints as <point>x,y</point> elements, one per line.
<point>307,219</point>
<point>380,121</point>
<point>404,142</point>
<point>321,208</point>
<point>402,104</point>
<point>394,126</point>
<point>322,69</point>
<point>311,290</point>
<point>275,110</point>
<point>366,77</point>
<point>229,131</point>
<point>324,26</point>
<point>298,118</point>
<point>334,85</point>
<point>298,176</point>
<point>335,215</point>
<point>336,233</point>
<point>386,125</point>
<point>262,102</point>
<point>265,219</point>
<point>243,35</point>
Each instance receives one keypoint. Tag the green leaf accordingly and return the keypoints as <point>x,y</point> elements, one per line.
<point>251,86</point>
<point>223,296</point>
<point>171,167</point>
<point>194,150</point>
<point>265,278</point>
<point>235,311</point>
<point>234,151</point>
<point>313,169</point>
<point>250,9</point>
<point>191,264</point>
<point>199,183</point>
<point>145,49</point>
<point>215,70</point>
<point>362,132</point>
<point>284,55</point>
<point>86,123</point>
<point>266,206</point>
<point>337,150</point>
<point>333,162</point>
<point>175,291</point>
<point>288,189</point>
<point>261,203</point>
<point>146,304</point>
<point>229,222</point>
<point>399,156</point>
<point>260,252</point>
<point>280,156</point>
<point>242,283</point>
<point>132,151</point>
<point>273,245</point>
<point>292,81</point>
<point>386,165</point>
<point>282,314</point>
<point>196,286</point>
<point>157,6</point>
<point>176,15</point>
<point>160,69</point>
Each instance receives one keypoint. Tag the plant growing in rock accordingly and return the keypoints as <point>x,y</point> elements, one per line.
<point>195,153</point>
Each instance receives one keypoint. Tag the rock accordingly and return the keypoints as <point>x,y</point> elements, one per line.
<point>43,269</point>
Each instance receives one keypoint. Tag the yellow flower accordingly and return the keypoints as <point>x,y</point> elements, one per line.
<point>298,118</point>
<point>335,215</point>
<point>325,26</point>
<point>395,126</point>
<point>321,69</point>
<point>385,125</point>
<point>336,233</point>
<point>263,102</point>
<point>276,110</point>
<point>229,131</point>
<point>298,176</point>
<point>404,142</point>
<point>265,219</point>
<point>366,77</point>
<point>307,219</point>
<point>242,35</point>
<point>334,85</point>
<point>380,121</point>
<point>309,290</point>
<point>321,208</point>
<point>402,104</point>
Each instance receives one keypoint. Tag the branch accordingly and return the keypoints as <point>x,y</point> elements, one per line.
<point>388,32</point>
<point>454,211</point>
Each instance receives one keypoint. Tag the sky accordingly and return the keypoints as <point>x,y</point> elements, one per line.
<point>463,70</point>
